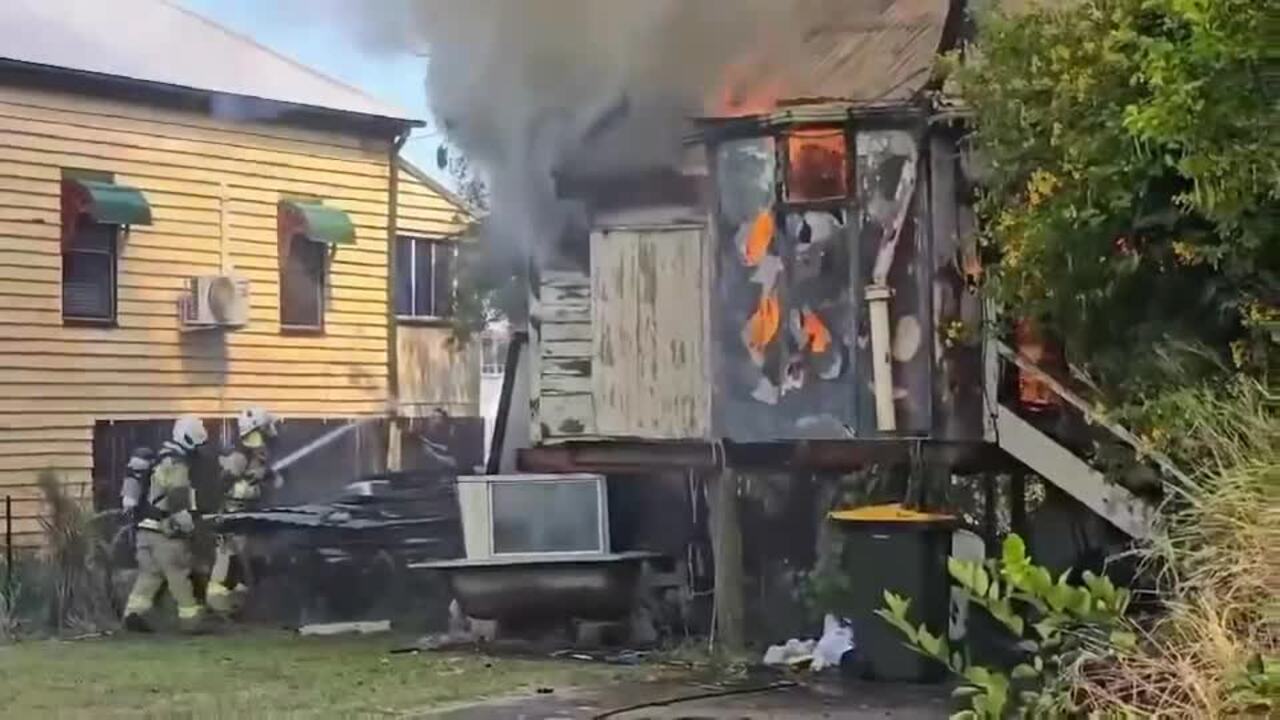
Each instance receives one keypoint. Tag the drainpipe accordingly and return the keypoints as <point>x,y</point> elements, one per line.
<point>393,378</point>
<point>878,294</point>
<point>881,365</point>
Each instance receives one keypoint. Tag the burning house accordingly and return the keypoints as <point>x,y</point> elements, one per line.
<point>791,306</point>
<point>754,300</point>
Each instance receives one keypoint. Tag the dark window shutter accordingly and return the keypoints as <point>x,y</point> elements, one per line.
<point>404,276</point>
<point>424,279</point>
<point>89,274</point>
<point>302,285</point>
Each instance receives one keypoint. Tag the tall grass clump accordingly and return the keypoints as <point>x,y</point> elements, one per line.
<point>1215,650</point>
<point>75,562</point>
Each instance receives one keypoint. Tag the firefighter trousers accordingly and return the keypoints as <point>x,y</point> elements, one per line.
<point>222,596</point>
<point>163,561</point>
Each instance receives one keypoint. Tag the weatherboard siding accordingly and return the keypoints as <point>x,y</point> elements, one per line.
<point>213,187</point>
<point>433,373</point>
<point>423,209</point>
<point>622,349</point>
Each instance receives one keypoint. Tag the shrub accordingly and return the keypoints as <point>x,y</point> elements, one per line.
<point>76,562</point>
<point>1056,625</point>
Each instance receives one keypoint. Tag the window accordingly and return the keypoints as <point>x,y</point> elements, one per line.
<point>89,274</point>
<point>302,284</point>
<point>548,516</point>
<point>424,277</point>
<point>493,353</point>
<point>816,165</point>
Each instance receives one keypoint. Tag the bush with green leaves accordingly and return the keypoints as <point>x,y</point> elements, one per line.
<point>1131,191</point>
<point>1055,624</point>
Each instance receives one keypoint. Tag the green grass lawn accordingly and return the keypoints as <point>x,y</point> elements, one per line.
<point>261,675</point>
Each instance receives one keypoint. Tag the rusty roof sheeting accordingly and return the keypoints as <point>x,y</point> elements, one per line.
<point>862,51</point>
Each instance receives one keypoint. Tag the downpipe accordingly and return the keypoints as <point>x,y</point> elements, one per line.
<point>881,363</point>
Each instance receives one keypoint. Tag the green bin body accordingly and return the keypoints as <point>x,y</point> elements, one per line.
<point>908,558</point>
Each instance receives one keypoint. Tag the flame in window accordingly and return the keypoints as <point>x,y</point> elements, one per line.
<point>759,237</point>
<point>762,326</point>
<point>819,337</point>
<point>817,164</point>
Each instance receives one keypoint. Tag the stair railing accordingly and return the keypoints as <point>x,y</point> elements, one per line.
<point>1143,449</point>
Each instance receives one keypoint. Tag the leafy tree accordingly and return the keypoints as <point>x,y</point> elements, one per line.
<point>490,284</point>
<point>1132,174</point>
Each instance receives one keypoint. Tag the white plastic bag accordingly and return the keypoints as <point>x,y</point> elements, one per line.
<point>837,639</point>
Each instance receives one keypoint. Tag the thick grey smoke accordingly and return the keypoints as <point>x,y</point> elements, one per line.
<point>520,85</point>
<point>524,86</point>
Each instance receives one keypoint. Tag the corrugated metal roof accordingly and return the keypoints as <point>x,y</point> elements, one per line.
<point>158,41</point>
<point>867,51</point>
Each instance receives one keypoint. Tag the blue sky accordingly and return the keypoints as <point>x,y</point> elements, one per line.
<point>399,79</point>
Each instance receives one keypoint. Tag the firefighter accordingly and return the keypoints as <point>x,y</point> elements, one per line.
<point>137,478</point>
<point>165,526</point>
<point>133,492</point>
<point>245,472</point>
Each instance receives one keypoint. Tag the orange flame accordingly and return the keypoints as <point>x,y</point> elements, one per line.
<point>816,164</point>
<point>747,89</point>
<point>817,332</point>
<point>759,237</point>
<point>762,327</point>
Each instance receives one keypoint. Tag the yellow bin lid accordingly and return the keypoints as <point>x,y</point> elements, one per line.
<point>893,512</point>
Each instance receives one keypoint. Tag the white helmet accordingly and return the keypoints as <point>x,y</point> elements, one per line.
<point>141,460</point>
<point>189,432</point>
<point>256,418</point>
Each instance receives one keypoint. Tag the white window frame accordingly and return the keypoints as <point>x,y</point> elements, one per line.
<point>491,344</point>
<point>415,244</point>
<point>478,517</point>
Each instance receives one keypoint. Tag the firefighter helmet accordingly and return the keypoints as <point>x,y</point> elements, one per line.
<point>189,432</point>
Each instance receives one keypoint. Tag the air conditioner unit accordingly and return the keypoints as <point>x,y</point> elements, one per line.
<point>214,301</point>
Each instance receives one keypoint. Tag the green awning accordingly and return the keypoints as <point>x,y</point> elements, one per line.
<point>104,202</point>
<point>315,221</point>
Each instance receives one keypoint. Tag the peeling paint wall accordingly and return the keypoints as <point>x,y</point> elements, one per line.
<point>647,293</point>
<point>784,332</point>
<point>564,408</point>
<point>622,351</point>
<point>757,330</point>
<point>882,156</point>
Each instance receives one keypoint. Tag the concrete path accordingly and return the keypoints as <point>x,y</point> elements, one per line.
<point>844,701</point>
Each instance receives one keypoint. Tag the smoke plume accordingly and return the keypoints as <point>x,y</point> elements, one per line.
<point>529,87</point>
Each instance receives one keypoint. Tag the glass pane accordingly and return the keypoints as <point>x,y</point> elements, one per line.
<point>404,276</point>
<point>422,296</point>
<point>442,279</point>
<point>546,517</point>
<point>94,236</point>
<point>493,355</point>
<point>302,285</point>
<point>817,163</point>
<point>88,288</point>
<point>744,179</point>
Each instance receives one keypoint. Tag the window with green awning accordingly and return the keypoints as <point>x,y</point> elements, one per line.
<point>100,201</point>
<point>316,222</point>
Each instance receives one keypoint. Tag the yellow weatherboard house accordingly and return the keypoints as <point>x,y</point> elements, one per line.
<point>222,229</point>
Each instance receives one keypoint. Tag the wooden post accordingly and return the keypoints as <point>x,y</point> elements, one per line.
<point>1018,504</point>
<point>990,533</point>
<point>395,441</point>
<point>726,548</point>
